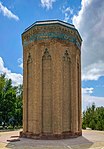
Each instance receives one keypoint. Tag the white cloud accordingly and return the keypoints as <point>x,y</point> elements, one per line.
<point>87,90</point>
<point>88,99</point>
<point>16,78</point>
<point>6,12</point>
<point>67,13</point>
<point>20,62</point>
<point>90,22</point>
<point>21,65</point>
<point>93,71</point>
<point>47,3</point>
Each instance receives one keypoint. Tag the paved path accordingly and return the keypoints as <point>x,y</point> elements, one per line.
<point>89,140</point>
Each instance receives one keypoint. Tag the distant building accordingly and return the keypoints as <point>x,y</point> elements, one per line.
<point>51,80</point>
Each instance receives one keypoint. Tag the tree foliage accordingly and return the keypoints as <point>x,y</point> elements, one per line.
<point>10,102</point>
<point>93,118</point>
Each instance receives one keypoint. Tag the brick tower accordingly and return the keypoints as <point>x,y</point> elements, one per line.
<point>51,80</point>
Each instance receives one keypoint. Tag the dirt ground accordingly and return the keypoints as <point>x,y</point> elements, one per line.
<point>89,140</point>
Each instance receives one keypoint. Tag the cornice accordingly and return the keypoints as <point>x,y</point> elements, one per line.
<point>51,31</point>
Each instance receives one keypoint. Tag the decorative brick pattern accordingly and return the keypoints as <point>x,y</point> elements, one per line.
<point>66,119</point>
<point>51,82</point>
<point>46,93</point>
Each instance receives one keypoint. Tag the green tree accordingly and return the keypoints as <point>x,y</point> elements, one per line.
<point>7,98</point>
<point>18,105</point>
<point>10,101</point>
<point>93,118</point>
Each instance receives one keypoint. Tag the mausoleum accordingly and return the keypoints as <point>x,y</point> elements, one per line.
<point>51,80</point>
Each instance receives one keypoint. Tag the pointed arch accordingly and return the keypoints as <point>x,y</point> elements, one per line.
<point>79,93</point>
<point>46,92</point>
<point>66,111</point>
<point>29,93</point>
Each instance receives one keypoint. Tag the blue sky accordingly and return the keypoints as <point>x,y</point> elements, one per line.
<point>88,18</point>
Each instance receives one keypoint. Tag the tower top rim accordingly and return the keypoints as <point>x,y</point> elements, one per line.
<point>48,22</point>
<point>52,22</point>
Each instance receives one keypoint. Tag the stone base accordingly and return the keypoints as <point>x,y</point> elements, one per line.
<point>44,136</point>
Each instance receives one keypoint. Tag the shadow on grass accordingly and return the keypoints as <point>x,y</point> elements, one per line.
<point>75,143</point>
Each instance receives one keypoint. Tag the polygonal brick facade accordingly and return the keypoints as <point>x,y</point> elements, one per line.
<point>51,81</point>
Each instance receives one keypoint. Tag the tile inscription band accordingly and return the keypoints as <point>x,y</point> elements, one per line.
<point>49,35</point>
